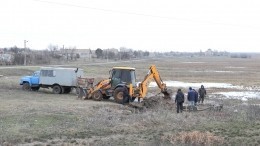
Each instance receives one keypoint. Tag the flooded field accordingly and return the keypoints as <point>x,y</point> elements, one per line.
<point>195,85</point>
<point>243,95</point>
<point>239,92</point>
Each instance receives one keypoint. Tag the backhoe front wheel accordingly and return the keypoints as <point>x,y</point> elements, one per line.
<point>97,96</point>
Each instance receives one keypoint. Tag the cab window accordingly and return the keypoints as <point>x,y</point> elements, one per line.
<point>48,73</point>
<point>126,76</point>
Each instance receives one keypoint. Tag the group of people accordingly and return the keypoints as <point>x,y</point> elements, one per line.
<point>193,98</point>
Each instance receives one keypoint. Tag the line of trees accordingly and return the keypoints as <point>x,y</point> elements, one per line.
<point>123,54</point>
<point>22,56</point>
<point>26,56</point>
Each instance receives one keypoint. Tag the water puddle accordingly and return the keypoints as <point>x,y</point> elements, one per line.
<point>239,95</point>
<point>193,62</point>
<point>217,71</point>
<point>235,67</point>
<point>195,85</point>
<point>244,94</point>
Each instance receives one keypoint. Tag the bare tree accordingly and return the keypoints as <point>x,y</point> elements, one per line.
<point>53,49</point>
<point>99,53</point>
<point>72,53</point>
<point>111,55</point>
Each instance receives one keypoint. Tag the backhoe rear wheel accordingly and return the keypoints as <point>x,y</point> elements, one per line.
<point>97,96</point>
<point>119,95</point>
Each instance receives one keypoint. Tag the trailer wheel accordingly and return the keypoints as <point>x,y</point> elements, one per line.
<point>97,96</point>
<point>56,89</point>
<point>119,94</point>
<point>26,86</point>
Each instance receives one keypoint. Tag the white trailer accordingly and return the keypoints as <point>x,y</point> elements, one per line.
<point>62,80</point>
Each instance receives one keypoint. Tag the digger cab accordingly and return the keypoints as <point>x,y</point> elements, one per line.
<point>122,76</point>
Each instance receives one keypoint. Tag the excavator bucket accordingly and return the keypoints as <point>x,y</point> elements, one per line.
<point>167,94</point>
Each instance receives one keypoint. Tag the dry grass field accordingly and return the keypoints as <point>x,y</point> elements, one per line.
<point>43,118</point>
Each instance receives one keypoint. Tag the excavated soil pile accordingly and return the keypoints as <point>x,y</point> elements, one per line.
<point>154,102</point>
<point>158,102</point>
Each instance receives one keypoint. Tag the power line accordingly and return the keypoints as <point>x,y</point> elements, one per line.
<point>106,10</point>
<point>140,14</point>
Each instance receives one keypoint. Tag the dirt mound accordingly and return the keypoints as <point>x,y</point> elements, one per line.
<point>158,101</point>
<point>154,102</point>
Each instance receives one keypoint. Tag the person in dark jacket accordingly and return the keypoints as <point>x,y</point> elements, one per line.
<point>196,97</point>
<point>179,100</point>
<point>191,98</point>
<point>202,93</point>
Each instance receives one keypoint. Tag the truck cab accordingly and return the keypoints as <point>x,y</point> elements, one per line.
<point>122,76</point>
<point>31,82</point>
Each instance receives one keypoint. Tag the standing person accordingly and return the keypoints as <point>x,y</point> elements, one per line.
<point>202,93</point>
<point>179,99</point>
<point>196,97</point>
<point>191,98</point>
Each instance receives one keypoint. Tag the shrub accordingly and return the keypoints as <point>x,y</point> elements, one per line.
<point>194,138</point>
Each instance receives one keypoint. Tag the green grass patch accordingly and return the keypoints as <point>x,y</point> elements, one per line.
<point>234,132</point>
<point>35,125</point>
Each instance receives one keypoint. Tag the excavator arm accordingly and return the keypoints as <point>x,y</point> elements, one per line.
<point>152,74</point>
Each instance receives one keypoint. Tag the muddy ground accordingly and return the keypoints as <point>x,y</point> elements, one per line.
<point>43,118</point>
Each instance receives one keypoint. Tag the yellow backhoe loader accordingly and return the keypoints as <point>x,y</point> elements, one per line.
<point>121,77</point>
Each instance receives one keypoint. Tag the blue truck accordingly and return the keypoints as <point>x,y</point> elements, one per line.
<point>61,80</point>
<point>31,82</point>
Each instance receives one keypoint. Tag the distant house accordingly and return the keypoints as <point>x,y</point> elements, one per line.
<point>1,51</point>
<point>209,52</point>
<point>152,54</point>
<point>113,50</point>
<point>6,59</point>
<point>126,50</point>
<point>85,53</point>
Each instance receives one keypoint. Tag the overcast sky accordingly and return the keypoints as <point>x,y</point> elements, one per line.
<point>154,25</point>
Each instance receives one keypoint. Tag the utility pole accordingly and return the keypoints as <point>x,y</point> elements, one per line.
<point>89,54</point>
<point>107,55</point>
<point>25,41</point>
